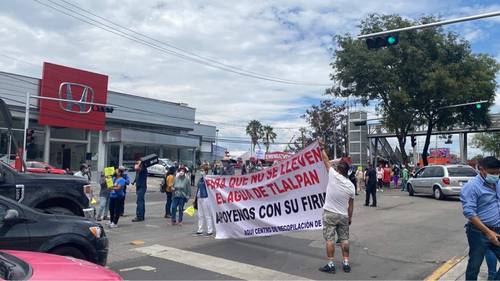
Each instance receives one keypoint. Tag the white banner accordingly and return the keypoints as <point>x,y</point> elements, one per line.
<point>287,197</point>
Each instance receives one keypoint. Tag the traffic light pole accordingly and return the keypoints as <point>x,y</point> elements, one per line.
<point>27,114</point>
<point>433,24</point>
<point>26,125</point>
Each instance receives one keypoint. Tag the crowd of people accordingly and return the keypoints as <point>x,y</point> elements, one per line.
<point>480,199</point>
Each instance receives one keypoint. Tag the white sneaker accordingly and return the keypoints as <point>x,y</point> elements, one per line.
<point>112,225</point>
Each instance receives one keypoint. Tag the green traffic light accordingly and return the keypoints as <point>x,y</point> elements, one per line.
<point>391,40</point>
<point>478,106</point>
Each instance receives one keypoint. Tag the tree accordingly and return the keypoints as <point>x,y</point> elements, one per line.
<point>304,139</point>
<point>412,81</point>
<point>254,130</point>
<point>268,136</point>
<point>489,142</point>
<point>328,121</point>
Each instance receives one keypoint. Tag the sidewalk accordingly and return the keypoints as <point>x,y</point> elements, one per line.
<point>455,268</point>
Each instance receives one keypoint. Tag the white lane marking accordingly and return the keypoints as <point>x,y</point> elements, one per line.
<point>142,267</point>
<point>219,265</point>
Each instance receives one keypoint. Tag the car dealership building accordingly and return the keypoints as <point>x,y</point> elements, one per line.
<point>66,127</point>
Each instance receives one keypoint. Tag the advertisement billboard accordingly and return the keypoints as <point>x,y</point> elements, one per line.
<point>74,86</point>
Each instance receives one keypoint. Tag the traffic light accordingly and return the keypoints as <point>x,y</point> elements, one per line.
<point>102,108</point>
<point>478,106</point>
<point>382,41</point>
<point>30,136</point>
<point>413,141</point>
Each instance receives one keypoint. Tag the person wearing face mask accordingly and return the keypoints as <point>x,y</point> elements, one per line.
<point>182,193</point>
<point>204,213</point>
<point>84,171</point>
<point>481,206</point>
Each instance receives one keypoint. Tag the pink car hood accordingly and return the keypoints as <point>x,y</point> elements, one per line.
<point>53,267</point>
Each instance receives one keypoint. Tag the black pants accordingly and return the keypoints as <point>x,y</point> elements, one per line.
<point>115,209</point>
<point>371,190</point>
<point>168,204</point>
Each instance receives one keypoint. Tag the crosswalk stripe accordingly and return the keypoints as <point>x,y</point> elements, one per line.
<point>222,266</point>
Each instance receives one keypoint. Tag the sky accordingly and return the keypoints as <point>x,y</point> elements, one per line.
<point>285,40</point>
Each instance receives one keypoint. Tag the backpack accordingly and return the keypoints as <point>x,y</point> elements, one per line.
<point>163,185</point>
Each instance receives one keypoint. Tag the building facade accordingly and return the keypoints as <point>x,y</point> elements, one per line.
<point>358,139</point>
<point>66,134</point>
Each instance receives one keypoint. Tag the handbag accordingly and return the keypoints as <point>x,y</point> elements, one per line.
<point>195,203</point>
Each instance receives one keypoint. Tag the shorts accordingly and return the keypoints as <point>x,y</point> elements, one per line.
<point>335,223</point>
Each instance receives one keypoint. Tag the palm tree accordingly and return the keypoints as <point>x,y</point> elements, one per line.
<point>268,137</point>
<point>254,130</point>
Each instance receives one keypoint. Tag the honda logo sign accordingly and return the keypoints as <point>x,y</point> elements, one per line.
<point>74,95</point>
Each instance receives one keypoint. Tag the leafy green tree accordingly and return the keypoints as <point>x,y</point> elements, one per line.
<point>412,81</point>
<point>268,136</point>
<point>303,139</point>
<point>489,142</point>
<point>255,131</point>
<point>328,121</point>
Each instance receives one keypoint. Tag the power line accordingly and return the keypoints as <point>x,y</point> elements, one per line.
<point>113,30</point>
<point>182,49</point>
<point>135,110</point>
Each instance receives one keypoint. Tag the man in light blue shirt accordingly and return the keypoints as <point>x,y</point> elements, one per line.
<point>481,206</point>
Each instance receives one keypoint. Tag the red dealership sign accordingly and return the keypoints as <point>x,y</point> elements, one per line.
<point>73,85</point>
<point>277,156</point>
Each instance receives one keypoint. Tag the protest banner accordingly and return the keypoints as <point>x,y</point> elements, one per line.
<point>286,197</point>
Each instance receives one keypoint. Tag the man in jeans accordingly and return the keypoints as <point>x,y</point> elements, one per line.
<point>140,189</point>
<point>481,206</point>
<point>337,216</point>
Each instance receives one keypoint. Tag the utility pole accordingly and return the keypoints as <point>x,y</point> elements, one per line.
<point>303,140</point>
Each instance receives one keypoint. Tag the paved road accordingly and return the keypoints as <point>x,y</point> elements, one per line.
<point>404,238</point>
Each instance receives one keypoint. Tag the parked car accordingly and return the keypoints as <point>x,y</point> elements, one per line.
<point>63,194</point>
<point>20,265</point>
<point>24,228</point>
<point>440,180</point>
<point>161,168</point>
<point>41,168</point>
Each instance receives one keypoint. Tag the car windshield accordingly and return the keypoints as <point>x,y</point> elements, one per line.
<point>5,267</point>
<point>461,172</point>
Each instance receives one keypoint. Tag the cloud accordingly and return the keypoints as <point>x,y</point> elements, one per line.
<point>283,38</point>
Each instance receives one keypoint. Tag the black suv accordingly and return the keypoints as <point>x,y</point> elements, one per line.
<point>23,228</point>
<point>63,194</point>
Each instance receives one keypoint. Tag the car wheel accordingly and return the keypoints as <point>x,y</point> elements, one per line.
<point>68,251</point>
<point>411,192</point>
<point>438,194</point>
<point>60,210</point>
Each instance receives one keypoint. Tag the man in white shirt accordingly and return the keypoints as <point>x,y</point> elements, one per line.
<point>337,215</point>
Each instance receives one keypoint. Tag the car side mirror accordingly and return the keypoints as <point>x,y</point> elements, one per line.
<point>11,216</point>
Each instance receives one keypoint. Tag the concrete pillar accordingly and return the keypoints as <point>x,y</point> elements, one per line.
<point>463,147</point>
<point>46,145</point>
<point>194,157</point>
<point>89,140</point>
<point>120,155</point>
<point>161,152</point>
<point>101,153</point>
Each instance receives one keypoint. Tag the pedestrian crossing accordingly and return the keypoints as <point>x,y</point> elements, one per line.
<point>226,267</point>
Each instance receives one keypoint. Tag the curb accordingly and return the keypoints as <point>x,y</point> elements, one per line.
<point>445,268</point>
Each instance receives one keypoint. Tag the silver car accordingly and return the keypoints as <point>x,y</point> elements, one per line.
<point>440,180</point>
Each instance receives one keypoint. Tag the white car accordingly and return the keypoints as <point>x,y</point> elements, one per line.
<point>161,168</point>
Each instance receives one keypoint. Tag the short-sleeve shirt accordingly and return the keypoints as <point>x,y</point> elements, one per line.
<point>142,177</point>
<point>338,193</point>
<point>118,193</point>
